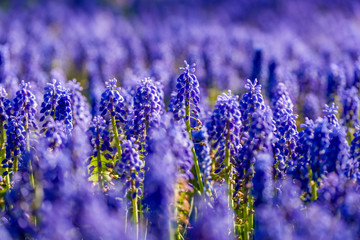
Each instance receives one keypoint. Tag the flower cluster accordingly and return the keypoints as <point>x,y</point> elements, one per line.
<point>63,111</point>
<point>224,128</point>
<point>130,169</point>
<point>286,131</point>
<point>15,143</point>
<point>202,150</point>
<point>24,105</point>
<point>53,92</point>
<point>100,140</point>
<point>185,104</point>
<point>250,102</point>
<point>112,103</point>
<point>147,109</point>
<point>130,159</point>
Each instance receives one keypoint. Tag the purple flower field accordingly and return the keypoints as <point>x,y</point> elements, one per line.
<point>179,120</point>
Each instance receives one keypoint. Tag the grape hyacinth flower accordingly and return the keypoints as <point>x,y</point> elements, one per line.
<point>202,150</point>
<point>53,92</point>
<point>185,105</point>
<point>100,140</point>
<point>330,114</point>
<point>250,102</point>
<point>224,133</point>
<point>130,170</point>
<point>15,144</point>
<point>353,165</point>
<point>25,109</point>
<point>317,152</point>
<point>112,110</point>
<point>260,137</point>
<point>147,109</point>
<point>5,108</point>
<point>63,111</point>
<point>298,167</point>
<point>286,133</point>
<point>338,152</point>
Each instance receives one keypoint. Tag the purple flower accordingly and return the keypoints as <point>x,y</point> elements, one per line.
<point>224,128</point>
<point>112,103</point>
<point>187,96</point>
<point>147,109</point>
<point>286,133</point>
<point>130,169</point>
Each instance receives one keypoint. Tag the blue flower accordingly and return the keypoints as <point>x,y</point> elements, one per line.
<point>5,106</point>
<point>202,151</point>
<point>25,106</point>
<point>112,103</point>
<point>53,92</point>
<point>130,169</point>
<point>260,137</point>
<point>15,143</point>
<point>187,96</point>
<point>286,133</point>
<point>224,128</point>
<point>147,109</point>
<point>100,140</point>
<point>319,144</point>
<point>250,102</point>
<point>330,114</point>
<point>63,111</point>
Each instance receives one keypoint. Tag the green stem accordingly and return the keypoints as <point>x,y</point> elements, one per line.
<point>32,181</point>
<point>135,216</point>
<point>251,213</point>
<point>228,167</point>
<point>15,164</point>
<point>3,151</point>
<point>245,213</point>
<point>116,134</point>
<point>196,163</point>
<point>99,167</point>
<point>314,191</point>
<point>174,232</point>
<point>313,186</point>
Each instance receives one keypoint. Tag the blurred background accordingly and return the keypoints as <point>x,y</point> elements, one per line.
<point>300,43</point>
